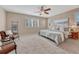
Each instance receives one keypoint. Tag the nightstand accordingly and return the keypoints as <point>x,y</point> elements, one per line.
<point>74,35</point>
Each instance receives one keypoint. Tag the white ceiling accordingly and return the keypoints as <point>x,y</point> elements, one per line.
<point>33,9</point>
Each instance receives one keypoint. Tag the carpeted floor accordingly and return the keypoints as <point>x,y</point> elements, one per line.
<point>70,45</point>
<point>35,44</point>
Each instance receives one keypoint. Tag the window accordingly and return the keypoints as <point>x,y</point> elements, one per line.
<point>60,22</point>
<point>32,23</point>
<point>77,18</point>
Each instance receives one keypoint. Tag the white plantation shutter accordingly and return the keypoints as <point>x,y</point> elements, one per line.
<point>32,23</point>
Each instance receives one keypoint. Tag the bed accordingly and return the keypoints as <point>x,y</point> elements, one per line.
<point>55,35</point>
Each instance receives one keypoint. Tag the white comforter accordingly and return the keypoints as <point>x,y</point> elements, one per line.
<point>55,35</point>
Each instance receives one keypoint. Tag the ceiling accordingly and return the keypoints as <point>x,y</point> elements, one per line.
<point>33,9</point>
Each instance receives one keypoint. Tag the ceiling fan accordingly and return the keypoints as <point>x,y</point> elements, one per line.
<point>44,10</point>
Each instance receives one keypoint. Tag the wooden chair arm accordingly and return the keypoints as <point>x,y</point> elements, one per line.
<point>7,48</point>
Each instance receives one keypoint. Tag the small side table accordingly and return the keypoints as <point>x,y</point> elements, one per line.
<point>74,35</point>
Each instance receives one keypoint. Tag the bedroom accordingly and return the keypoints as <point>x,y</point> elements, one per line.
<point>32,26</point>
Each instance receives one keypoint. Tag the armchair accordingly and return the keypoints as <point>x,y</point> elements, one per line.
<point>9,46</point>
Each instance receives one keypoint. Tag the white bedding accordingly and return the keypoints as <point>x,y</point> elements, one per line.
<point>55,35</point>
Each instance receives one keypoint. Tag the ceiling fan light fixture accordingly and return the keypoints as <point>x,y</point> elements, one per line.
<point>44,10</point>
<point>47,9</point>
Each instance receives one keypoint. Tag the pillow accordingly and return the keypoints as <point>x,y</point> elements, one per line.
<point>57,28</point>
<point>61,28</point>
<point>66,29</point>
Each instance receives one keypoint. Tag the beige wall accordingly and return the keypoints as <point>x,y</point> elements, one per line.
<point>2,19</point>
<point>21,18</point>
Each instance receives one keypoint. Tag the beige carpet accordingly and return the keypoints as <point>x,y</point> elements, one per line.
<point>70,45</point>
<point>35,44</point>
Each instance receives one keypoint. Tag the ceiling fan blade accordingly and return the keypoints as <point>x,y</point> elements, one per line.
<point>46,12</point>
<point>47,9</point>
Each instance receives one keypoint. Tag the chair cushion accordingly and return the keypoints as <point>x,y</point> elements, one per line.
<point>0,43</point>
<point>0,48</point>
